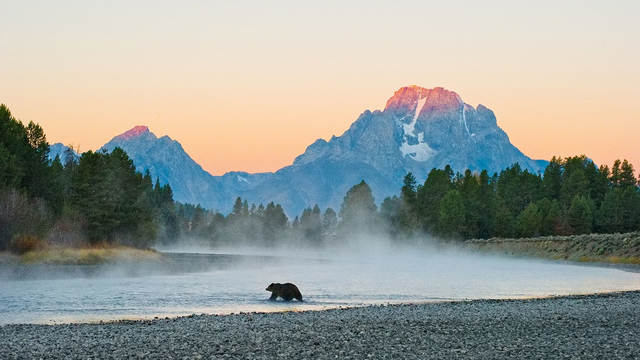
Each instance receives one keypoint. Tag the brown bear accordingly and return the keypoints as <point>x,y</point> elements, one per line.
<point>286,291</point>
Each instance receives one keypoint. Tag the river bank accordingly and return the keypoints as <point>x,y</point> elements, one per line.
<point>585,326</point>
<point>590,248</point>
<point>82,256</point>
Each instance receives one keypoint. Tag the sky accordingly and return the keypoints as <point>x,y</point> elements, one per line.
<point>248,85</point>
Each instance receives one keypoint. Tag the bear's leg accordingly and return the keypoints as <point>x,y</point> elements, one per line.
<point>298,295</point>
<point>287,297</point>
<point>274,296</point>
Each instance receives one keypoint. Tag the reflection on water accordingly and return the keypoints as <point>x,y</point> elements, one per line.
<point>221,284</point>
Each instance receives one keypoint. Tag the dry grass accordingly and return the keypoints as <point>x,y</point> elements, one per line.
<point>89,256</point>
<point>623,260</point>
<point>607,248</point>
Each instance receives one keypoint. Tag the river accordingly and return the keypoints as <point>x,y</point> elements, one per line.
<point>188,283</point>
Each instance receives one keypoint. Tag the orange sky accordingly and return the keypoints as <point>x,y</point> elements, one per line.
<point>247,86</point>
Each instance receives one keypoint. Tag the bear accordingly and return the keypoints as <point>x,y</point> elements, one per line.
<point>286,291</point>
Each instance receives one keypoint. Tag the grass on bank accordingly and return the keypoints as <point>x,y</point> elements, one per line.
<point>612,260</point>
<point>605,248</point>
<point>89,256</point>
<point>30,250</point>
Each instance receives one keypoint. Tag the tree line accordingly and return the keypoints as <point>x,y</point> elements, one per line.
<point>100,198</point>
<point>96,198</point>
<point>572,196</point>
<point>267,226</point>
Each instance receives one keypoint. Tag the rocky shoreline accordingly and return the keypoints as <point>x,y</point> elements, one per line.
<point>582,326</point>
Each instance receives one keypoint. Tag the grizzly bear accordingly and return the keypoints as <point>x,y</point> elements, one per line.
<point>286,291</point>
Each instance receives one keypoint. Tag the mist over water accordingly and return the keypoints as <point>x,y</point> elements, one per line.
<point>193,279</point>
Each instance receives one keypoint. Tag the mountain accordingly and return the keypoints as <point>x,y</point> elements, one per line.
<point>167,161</point>
<point>60,150</point>
<point>419,129</point>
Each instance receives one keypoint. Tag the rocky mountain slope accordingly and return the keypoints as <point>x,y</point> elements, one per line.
<point>419,129</point>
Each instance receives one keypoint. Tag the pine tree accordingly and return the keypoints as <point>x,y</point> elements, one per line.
<point>610,216</point>
<point>24,156</point>
<point>358,210</point>
<point>615,176</point>
<point>485,206</point>
<point>627,176</point>
<point>275,223</point>
<point>598,182</point>
<point>429,195</point>
<point>408,191</point>
<point>391,210</point>
<point>580,215</point>
<point>451,215</point>
<point>631,208</point>
<point>37,180</point>
<point>529,222</point>
<point>237,207</point>
<point>503,219</point>
<point>13,149</point>
<point>576,184</point>
<point>245,209</point>
<point>329,223</point>
<point>552,180</point>
<point>469,188</point>
<point>311,225</point>
<point>552,216</point>
<point>518,188</point>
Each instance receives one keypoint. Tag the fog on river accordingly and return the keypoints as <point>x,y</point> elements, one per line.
<point>222,281</point>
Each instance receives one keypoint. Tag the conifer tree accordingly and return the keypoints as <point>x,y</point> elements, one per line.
<point>358,210</point>
<point>627,178</point>
<point>451,215</point>
<point>580,215</point>
<point>329,224</point>
<point>552,180</point>
<point>529,222</point>
<point>428,197</point>
<point>469,188</point>
<point>485,206</point>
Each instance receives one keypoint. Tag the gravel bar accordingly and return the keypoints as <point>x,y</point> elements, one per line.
<point>605,326</point>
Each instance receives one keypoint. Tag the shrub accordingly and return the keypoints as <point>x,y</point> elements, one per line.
<point>21,216</point>
<point>25,243</point>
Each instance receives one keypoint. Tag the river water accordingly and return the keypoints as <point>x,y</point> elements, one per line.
<point>188,283</point>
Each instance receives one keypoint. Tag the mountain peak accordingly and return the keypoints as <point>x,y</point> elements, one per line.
<point>420,129</point>
<point>407,97</point>
<point>134,132</point>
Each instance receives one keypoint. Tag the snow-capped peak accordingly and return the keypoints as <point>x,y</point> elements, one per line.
<point>405,98</point>
<point>134,132</point>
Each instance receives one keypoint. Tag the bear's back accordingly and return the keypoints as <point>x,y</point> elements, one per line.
<point>290,291</point>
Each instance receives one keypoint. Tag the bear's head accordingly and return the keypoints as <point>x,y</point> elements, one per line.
<point>271,287</point>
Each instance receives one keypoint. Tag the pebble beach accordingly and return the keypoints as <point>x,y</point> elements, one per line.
<point>582,326</point>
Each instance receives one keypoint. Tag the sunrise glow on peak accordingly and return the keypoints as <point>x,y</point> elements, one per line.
<point>134,132</point>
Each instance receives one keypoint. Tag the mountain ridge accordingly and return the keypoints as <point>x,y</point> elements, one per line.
<point>419,129</point>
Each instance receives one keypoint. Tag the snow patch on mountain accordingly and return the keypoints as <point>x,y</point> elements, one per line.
<point>420,151</point>
<point>463,117</point>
